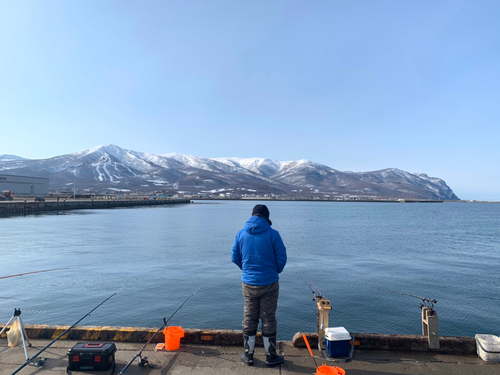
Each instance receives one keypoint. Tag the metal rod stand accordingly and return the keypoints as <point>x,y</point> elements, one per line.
<point>24,336</point>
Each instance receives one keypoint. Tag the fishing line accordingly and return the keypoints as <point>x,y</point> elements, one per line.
<point>25,311</point>
<point>498,299</point>
<point>144,360</point>
<point>132,282</point>
<point>58,337</point>
<point>119,290</point>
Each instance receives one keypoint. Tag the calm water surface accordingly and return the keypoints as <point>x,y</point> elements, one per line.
<point>353,252</point>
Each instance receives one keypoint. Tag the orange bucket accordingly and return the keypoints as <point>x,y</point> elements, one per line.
<point>329,370</point>
<point>173,337</point>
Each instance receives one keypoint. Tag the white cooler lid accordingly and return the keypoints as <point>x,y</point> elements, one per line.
<point>490,343</point>
<point>337,334</point>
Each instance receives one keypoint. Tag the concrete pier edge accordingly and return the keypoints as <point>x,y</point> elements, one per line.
<point>226,337</point>
<point>17,207</point>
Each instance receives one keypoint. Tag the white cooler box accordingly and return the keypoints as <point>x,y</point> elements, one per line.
<point>337,342</point>
<point>488,347</point>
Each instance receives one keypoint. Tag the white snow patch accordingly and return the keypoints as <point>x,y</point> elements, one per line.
<point>107,172</point>
<point>99,174</point>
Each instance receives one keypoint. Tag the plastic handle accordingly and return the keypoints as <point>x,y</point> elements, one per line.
<point>87,345</point>
<point>308,347</point>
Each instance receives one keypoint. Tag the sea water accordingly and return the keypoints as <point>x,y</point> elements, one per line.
<point>356,254</point>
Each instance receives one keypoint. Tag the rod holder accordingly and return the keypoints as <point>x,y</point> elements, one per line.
<point>430,327</point>
<point>324,308</point>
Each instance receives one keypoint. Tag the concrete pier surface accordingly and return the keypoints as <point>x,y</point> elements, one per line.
<point>214,351</point>
<point>221,360</point>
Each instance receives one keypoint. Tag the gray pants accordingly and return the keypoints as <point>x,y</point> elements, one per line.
<point>260,303</point>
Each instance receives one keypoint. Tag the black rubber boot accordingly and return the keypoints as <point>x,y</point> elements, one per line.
<point>272,358</point>
<point>249,344</point>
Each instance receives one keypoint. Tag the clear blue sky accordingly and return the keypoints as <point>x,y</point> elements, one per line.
<point>355,85</point>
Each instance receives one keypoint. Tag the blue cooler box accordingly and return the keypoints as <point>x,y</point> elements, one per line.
<point>337,342</point>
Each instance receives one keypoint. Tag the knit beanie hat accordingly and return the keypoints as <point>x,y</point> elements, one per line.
<point>262,211</point>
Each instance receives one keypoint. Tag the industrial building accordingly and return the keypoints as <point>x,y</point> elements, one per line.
<point>24,185</point>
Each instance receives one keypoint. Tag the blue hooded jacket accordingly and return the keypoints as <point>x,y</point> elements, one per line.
<point>259,252</point>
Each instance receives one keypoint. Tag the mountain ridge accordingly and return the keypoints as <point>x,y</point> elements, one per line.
<point>112,168</point>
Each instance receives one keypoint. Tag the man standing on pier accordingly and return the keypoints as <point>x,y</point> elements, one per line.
<point>260,253</point>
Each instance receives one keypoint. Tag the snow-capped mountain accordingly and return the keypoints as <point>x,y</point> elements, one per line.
<point>7,157</point>
<point>111,168</point>
<point>264,167</point>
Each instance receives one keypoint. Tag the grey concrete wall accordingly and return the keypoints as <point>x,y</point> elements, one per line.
<point>24,185</point>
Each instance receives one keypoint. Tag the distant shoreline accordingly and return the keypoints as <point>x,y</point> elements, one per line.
<point>322,200</point>
<point>341,200</point>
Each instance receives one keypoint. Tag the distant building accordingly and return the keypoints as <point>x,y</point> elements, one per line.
<point>23,185</point>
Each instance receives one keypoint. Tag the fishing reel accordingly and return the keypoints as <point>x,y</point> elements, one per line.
<point>428,303</point>
<point>40,362</point>
<point>144,361</point>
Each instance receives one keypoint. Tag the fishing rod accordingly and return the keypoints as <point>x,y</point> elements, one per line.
<point>29,273</point>
<point>58,337</point>
<point>144,361</point>
<point>323,306</point>
<point>319,297</point>
<point>426,302</point>
<point>17,299</point>
<point>313,287</point>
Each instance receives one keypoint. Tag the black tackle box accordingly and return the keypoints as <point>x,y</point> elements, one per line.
<point>97,356</point>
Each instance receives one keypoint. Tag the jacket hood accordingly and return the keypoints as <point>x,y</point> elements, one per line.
<point>256,225</point>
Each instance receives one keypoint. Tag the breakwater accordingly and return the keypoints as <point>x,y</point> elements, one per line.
<point>29,208</point>
<point>363,341</point>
